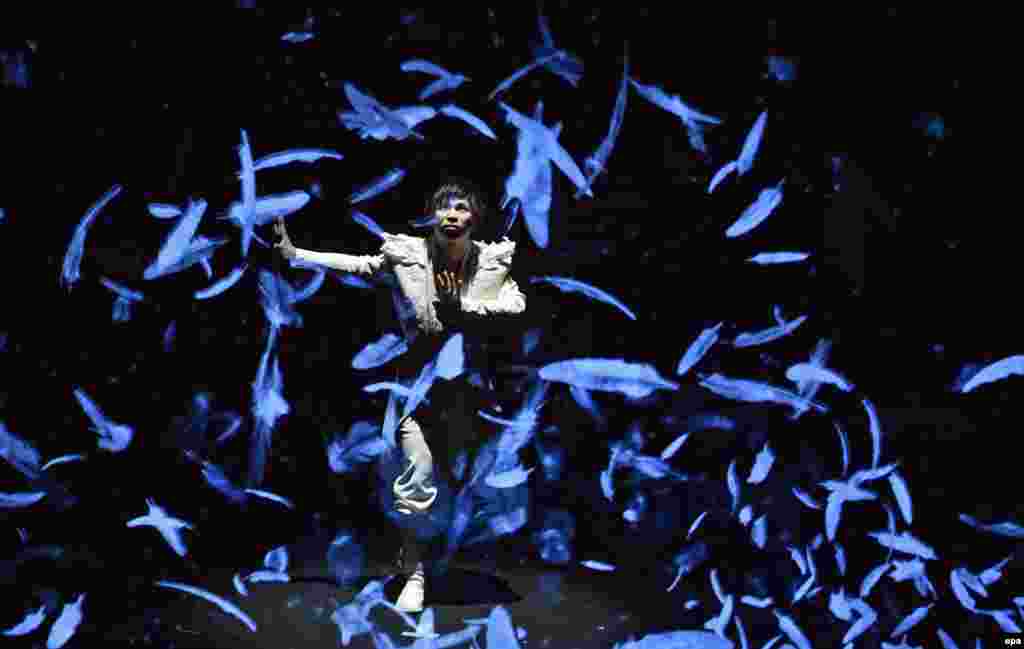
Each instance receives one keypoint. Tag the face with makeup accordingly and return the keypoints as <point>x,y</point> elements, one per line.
<point>454,220</point>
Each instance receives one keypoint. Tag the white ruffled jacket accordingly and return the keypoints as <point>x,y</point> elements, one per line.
<point>488,291</point>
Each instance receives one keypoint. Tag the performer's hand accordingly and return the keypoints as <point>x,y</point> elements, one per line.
<point>449,287</point>
<point>284,245</point>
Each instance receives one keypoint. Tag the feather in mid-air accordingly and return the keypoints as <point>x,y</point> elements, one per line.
<point>445,79</point>
<point>71,270</point>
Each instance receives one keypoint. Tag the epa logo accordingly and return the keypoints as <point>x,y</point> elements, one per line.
<point>1012,642</point>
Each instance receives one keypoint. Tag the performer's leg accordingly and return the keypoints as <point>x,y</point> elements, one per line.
<point>412,496</point>
<point>463,434</point>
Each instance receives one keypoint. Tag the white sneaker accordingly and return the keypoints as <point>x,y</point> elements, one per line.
<point>411,598</point>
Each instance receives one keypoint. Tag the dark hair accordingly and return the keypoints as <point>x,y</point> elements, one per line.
<point>461,188</point>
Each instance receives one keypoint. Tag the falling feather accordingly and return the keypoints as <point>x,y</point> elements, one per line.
<point>163,210</point>
<point>377,186</point>
<point>566,65</point>
<point>168,526</point>
<point>222,284</point>
<point>125,298</point>
<point>876,432</point>
<point>508,479</point>
<point>839,605</point>
<point>757,212</point>
<point>598,565</point>
<point>696,523</point>
<point>833,510</point>
<point>698,348</point>
<point>198,250</point>
<point>66,624</point>
<point>391,421</point>
<point>994,574</point>
<point>20,499</point>
<point>214,476</point>
<point>368,223</point>
<point>248,182</point>
<point>762,465</point>
<point>911,620</point>
<point>750,145</point>
<point>389,386</point>
<point>809,388</point>
<point>768,335</point>
<point>754,391</point>
<point>759,531</point>
<point>500,632</point>
<point>767,258</point>
<point>569,285</point>
<point>424,627</point>
<point>1003,618</point>
<point>610,375</point>
<point>870,475</point>
<point>521,72</point>
<point>535,202</point>
<point>305,292</point>
<point>220,602</point>
<point>112,437</point>
<point>791,630</point>
<point>596,162</point>
<point>1010,366</point>
<point>19,453</point>
<point>272,497</point>
<point>902,495</point>
<point>267,209</point>
<point>840,554</point>
<point>867,618</point>
<point>276,298</point>
<point>63,459</point>
<point>70,272</point>
<point>1006,528</point>
<point>28,624</point>
<point>549,145</point>
<point>808,372</point>
<point>451,110</point>
<point>446,80</point>
<point>904,570</point>
<point>733,483</point>
<point>806,498</point>
<point>688,639</point>
<point>673,104</point>
<point>904,542</point>
<point>360,445</point>
<point>676,444</point>
<point>718,623</point>
<point>960,591</point>
<point>451,360</point>
<point>380,352</point>
<point>721,174</point>
<point>294,155</point>
<point>373,119</point>
<point>268,405</point>
<point>946,640</point>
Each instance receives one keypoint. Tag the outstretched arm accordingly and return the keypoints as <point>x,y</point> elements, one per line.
<point>363,265</point>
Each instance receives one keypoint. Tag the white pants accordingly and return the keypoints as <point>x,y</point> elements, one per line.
<point>452,427</point>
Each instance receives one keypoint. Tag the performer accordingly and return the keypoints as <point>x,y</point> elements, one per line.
<point>446,283</point>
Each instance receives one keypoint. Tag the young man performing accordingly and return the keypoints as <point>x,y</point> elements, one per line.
<point>446,283</point>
